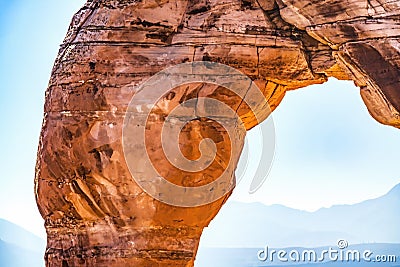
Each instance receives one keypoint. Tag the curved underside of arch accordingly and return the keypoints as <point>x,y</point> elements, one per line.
<point>95,213</point>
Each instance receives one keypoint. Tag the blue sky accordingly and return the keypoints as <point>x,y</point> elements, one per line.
<point>329,150</point>
<point>30,34</point>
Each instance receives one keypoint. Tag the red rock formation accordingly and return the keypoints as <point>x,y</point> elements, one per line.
<point>95,213</point>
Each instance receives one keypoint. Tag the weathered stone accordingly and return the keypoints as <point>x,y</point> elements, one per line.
<point>95,213</point>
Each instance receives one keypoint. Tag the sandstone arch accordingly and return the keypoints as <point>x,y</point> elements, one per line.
<point>95,214</point>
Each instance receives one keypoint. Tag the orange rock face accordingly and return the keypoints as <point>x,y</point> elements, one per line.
<point>97,211</point>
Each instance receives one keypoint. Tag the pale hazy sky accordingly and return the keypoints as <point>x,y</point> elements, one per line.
<point>329,150</point>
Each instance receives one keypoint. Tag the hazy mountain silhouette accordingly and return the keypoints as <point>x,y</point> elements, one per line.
<point>247,257</point>
<point>15,256</point>
<point>256,225</point>
<point>249,227</point>
<point>19,247</point>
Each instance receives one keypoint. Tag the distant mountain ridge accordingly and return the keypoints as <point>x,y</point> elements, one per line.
<point>255,224</point>
<point>14,256</point>
<point>14,234</point>
<point>247,257</point>
<point>241,229</point>
<point>19,247</point>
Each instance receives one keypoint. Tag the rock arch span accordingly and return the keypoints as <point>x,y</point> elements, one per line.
<point>95,213</point>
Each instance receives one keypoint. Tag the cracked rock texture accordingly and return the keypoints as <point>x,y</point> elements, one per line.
<point>95,214</point>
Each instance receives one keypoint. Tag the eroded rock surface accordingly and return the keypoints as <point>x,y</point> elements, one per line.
<point>95,213</point>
